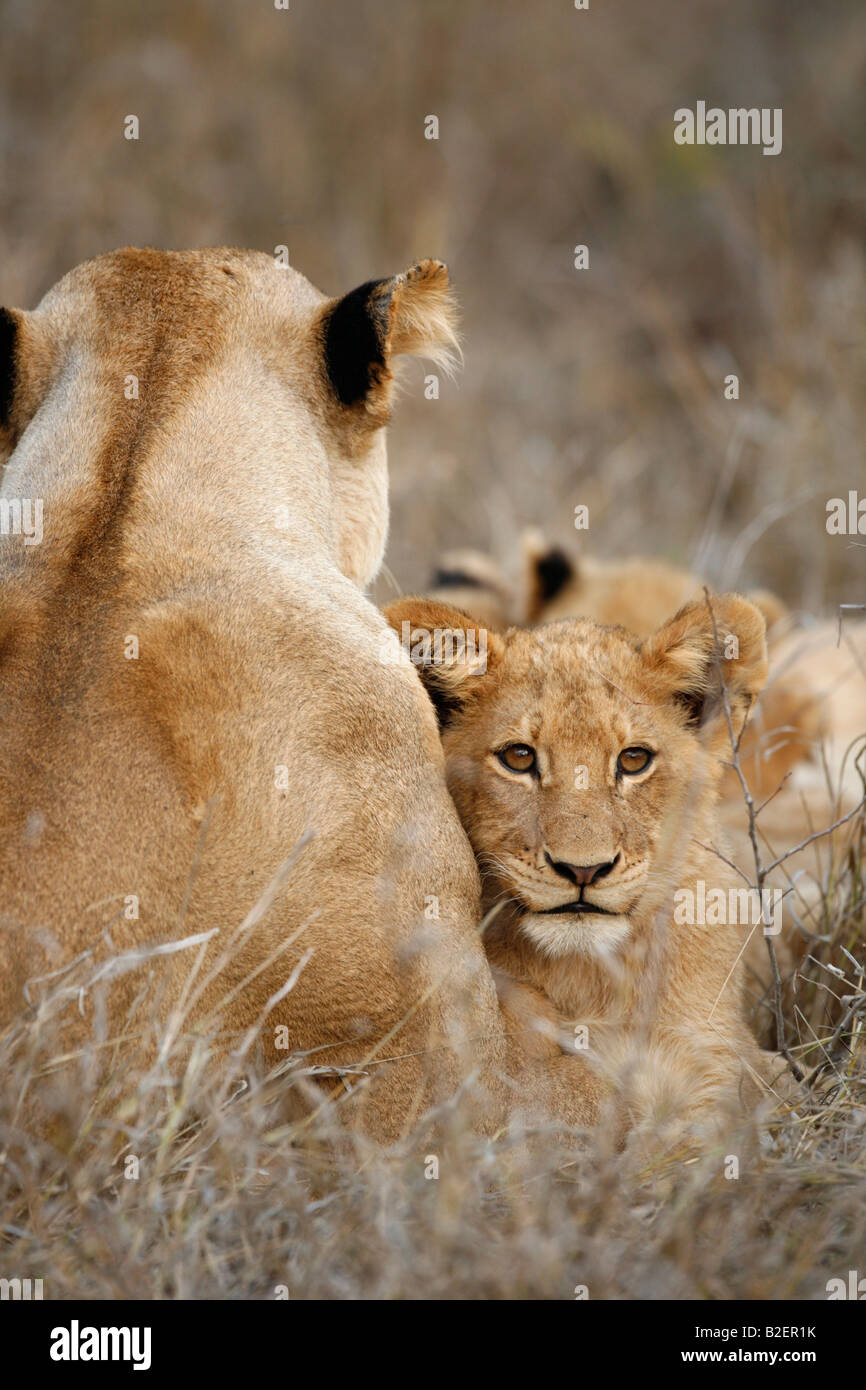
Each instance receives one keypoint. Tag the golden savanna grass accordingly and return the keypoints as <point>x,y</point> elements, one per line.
<point>601,388</point>
<point>227,1200</point>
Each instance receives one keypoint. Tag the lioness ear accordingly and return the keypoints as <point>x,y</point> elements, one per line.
<point>713,645</point>
<point>413,313</point>
<point>25,369</point>
<point>451,652</point>
<point>546,571</point>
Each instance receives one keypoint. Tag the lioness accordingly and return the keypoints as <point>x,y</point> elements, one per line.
<point>585,765</point>
<point>211,788</point>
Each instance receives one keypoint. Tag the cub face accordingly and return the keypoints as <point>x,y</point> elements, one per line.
<point>582,761</point>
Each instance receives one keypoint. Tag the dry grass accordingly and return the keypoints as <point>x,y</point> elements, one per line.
<point>602,387</point>
<point>231,1201</point>
<point>261,127</point>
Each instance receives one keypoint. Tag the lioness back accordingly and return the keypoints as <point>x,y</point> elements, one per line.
<point>211,784</point>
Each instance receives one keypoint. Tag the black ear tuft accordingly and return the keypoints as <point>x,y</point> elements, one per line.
<point>8,351</point>
<point>408,313</point>
<point>356,333</point>
<point>445,699</point>
<point>553,572</point>
<point>455,579</point>
<point>696,705</point>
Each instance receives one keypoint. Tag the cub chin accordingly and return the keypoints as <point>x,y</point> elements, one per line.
<point>585,765</point>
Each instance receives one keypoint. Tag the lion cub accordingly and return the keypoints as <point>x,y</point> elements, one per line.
<point>585,765</point>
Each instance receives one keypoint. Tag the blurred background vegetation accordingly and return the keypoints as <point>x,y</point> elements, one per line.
<point>604,386</point>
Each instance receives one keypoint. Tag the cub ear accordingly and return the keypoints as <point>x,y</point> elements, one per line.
<point>412,313</point>
<point>8,344</point>
<point>546,571</point>
<point>25,370</point>
<point>451,653</point>
<point>777,614</point>
<point>713,646</point>
<point>474,583</point>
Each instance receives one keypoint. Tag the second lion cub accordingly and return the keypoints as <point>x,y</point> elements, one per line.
<point>585,765</point>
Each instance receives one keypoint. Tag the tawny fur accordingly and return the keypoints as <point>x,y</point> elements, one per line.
<point>474,583</point>
<point>662,1002</point>
<point>798,753</point>
<point>637,594</point>
<point>226,518</point>
<point>790,718</point>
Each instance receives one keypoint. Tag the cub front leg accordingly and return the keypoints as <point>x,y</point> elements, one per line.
<point>547,1080</point>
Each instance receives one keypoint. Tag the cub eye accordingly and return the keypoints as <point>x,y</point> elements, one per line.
<point>633,760</point>
<point>517,757</point>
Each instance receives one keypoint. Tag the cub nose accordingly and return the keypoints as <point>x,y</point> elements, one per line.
<point>581,874</point>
